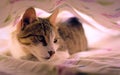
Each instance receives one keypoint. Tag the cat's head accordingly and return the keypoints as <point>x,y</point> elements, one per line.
<point>38,35</point>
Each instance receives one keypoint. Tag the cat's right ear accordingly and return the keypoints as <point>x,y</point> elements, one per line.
<point>28,17</point>
<point>53,17</point>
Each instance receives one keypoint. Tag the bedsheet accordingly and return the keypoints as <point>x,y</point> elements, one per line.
<point>100,62</point>
<point>107,15</point>
<point>103,60</point>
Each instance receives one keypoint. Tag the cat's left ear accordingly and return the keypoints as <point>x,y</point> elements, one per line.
<point>28,17</point>
<point>53,17</point>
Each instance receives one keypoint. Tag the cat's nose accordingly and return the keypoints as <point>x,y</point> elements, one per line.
<point>51,52</point>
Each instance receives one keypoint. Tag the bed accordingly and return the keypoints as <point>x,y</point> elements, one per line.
<point>102,29</point>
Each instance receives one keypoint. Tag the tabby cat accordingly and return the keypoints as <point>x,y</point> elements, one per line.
<point>43,37</point>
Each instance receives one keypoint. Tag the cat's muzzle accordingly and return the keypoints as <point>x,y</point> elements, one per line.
<point>51,53</point>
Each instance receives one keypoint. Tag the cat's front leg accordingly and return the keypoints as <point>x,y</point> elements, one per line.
<point>29,57</point>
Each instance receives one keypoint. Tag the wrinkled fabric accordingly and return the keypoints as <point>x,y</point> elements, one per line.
<point>102,61</point>
<point>105,12</point>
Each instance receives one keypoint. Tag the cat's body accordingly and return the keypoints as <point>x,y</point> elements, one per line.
<point>73,35</point>
<point>42,37</point>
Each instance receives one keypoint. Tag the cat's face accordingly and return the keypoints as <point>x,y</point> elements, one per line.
<point>38,35</point>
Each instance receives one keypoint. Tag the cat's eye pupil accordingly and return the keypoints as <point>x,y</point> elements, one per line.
<point>42,40</point>
<point>55,41</point>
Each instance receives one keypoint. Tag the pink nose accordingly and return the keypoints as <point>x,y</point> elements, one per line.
<point>51,52</point>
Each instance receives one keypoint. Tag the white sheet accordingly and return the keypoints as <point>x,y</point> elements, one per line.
<point>102,33</point>
<point>104,61</point>
<point>99,10</point>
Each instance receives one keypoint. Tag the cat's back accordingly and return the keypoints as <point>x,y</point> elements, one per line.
<point>72,32</point>
<point>73,22</point>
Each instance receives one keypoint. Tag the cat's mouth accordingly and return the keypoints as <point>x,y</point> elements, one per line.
<point>47,58</point>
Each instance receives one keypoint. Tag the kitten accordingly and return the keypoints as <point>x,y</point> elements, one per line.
<point>42,37</point>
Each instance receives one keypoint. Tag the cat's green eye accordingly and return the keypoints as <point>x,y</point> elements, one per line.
<point>40,38</point>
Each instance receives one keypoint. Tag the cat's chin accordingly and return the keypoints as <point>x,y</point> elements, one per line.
<point>42,59</point>
<point>47,58</point>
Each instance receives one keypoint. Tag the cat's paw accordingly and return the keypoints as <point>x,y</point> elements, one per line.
<point>29,57</point>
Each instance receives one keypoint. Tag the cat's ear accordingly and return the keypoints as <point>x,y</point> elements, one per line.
<point>28,17</point>
<point>53,17</point>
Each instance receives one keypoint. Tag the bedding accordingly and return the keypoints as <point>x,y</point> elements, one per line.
<point>97,62</point>
<point>101,20</point>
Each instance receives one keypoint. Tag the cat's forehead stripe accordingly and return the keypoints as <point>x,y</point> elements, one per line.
<point>45,26</point>
<point>40,26</point>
